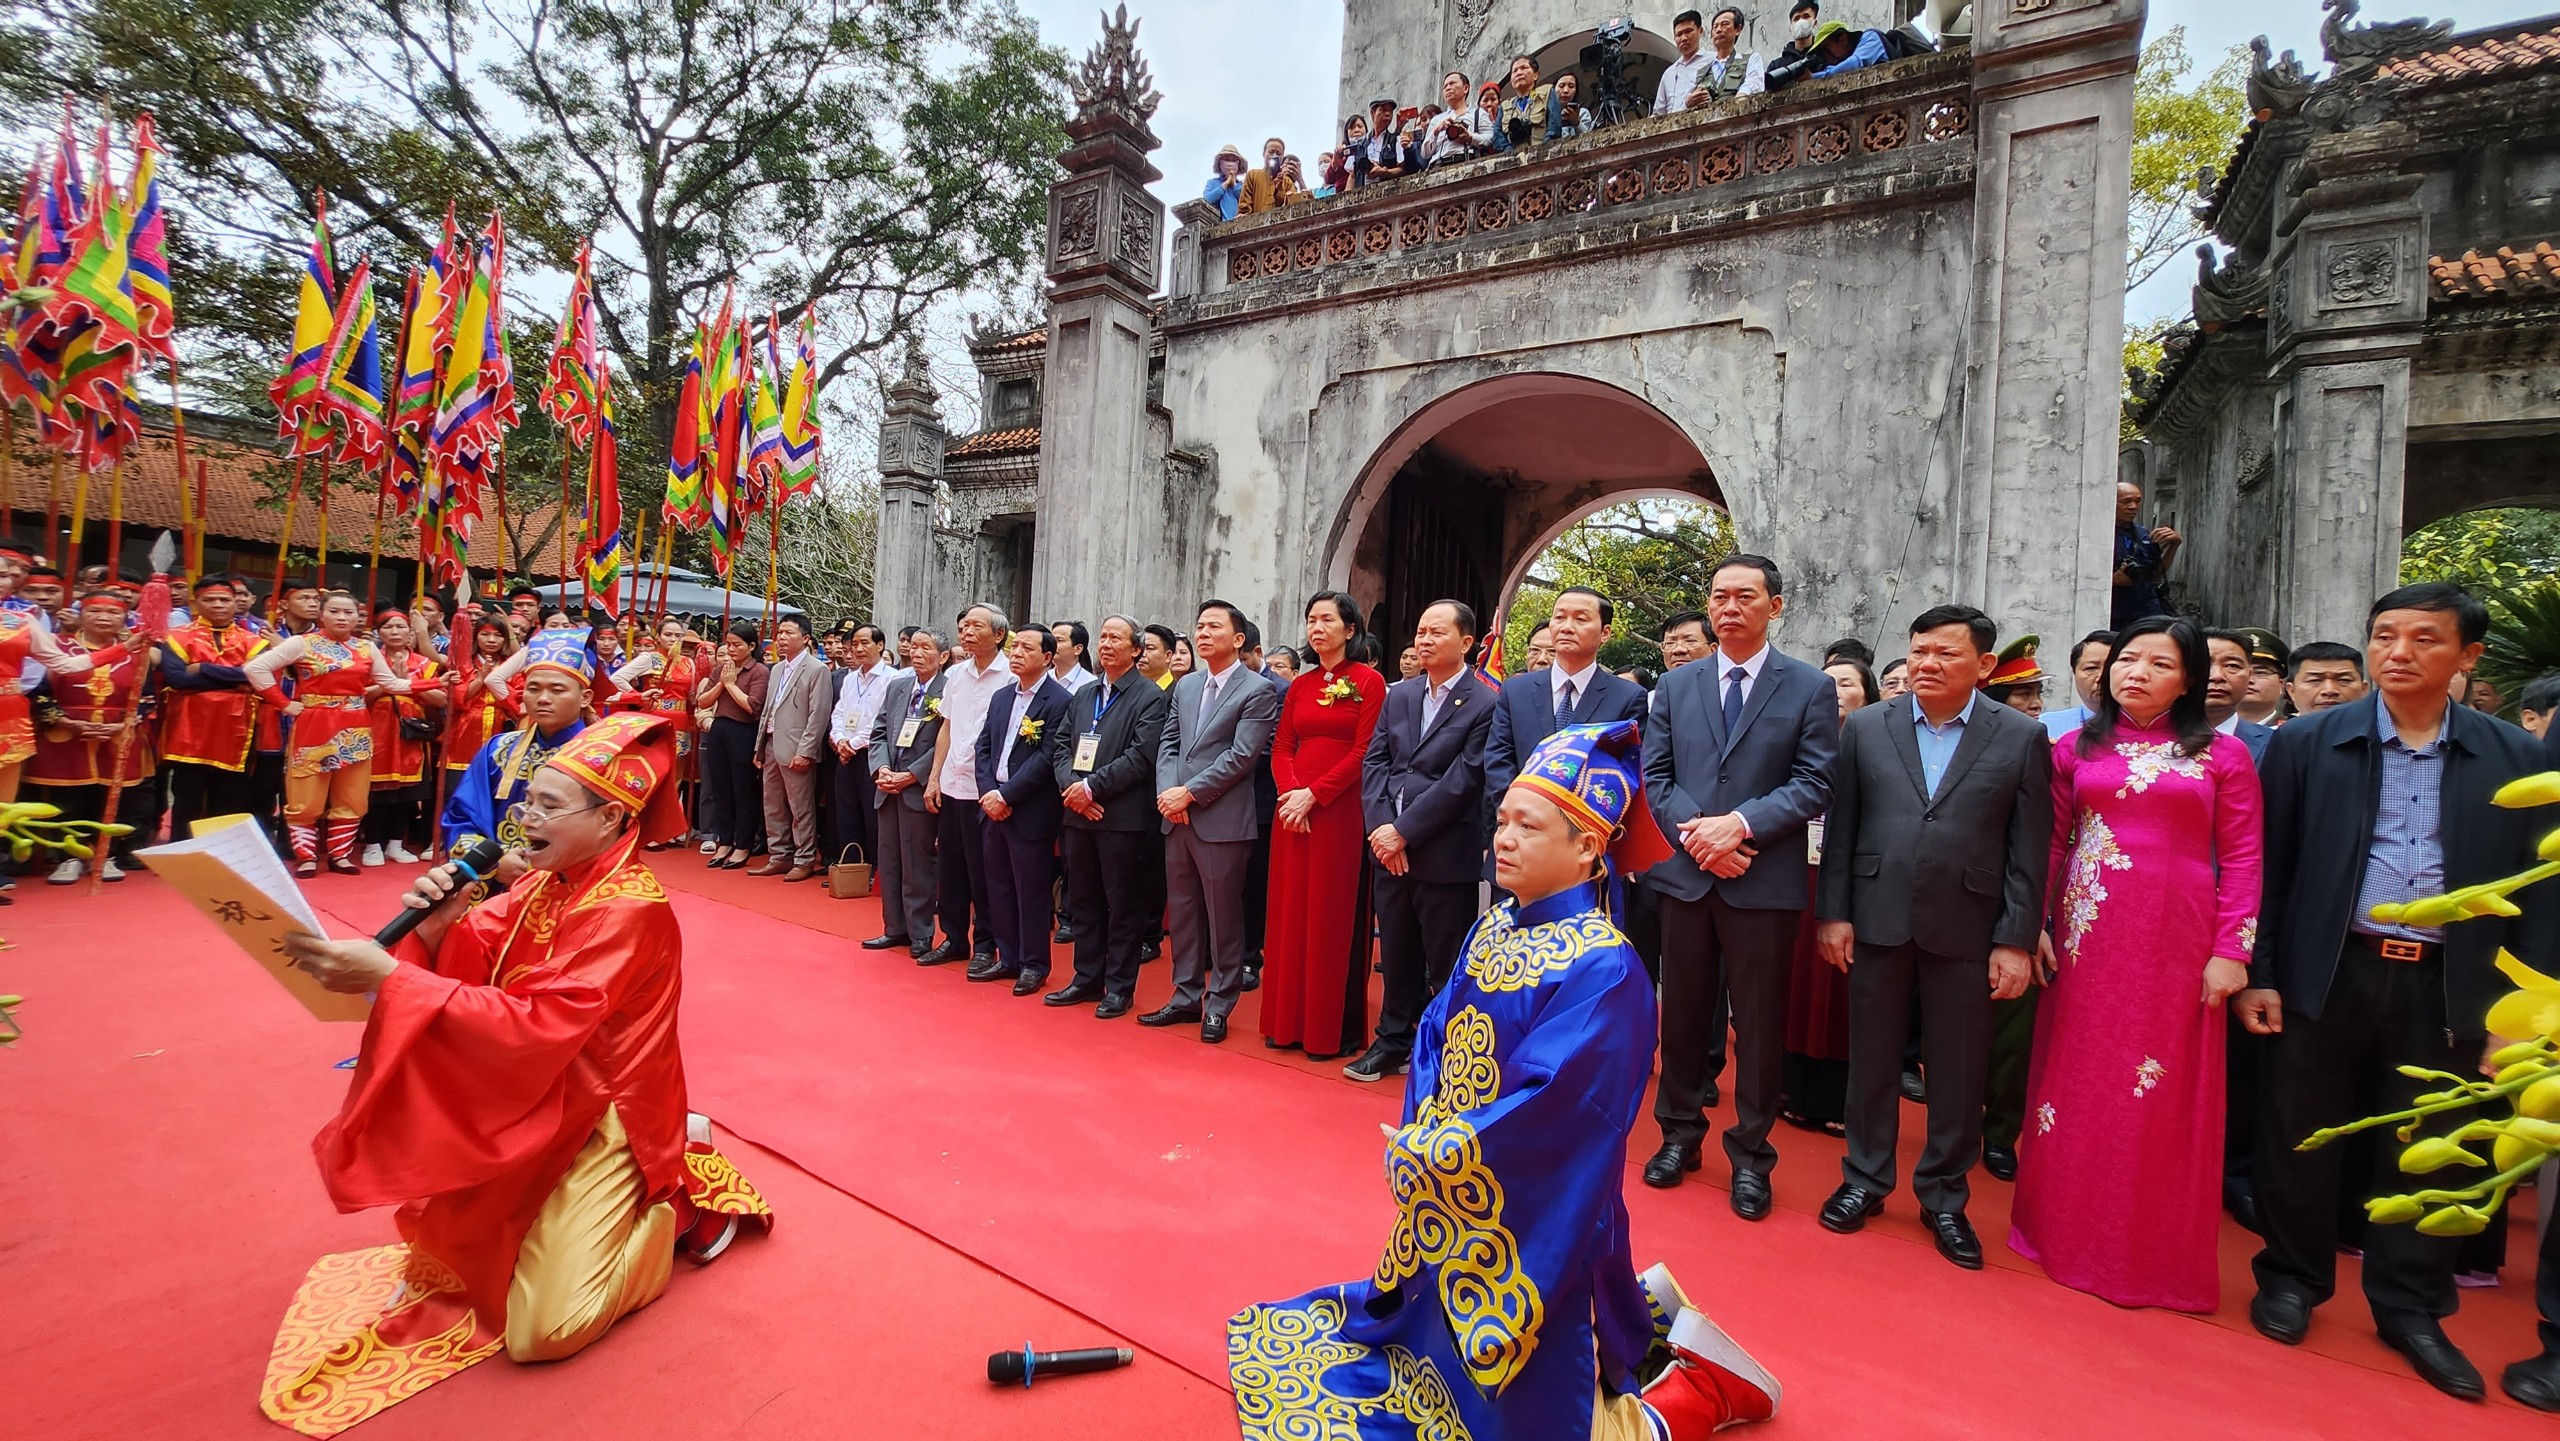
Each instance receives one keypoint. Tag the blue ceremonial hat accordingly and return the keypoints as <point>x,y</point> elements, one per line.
<point>571,650</point>
<point>1590,771</point>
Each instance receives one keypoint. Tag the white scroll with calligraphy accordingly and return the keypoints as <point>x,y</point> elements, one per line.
<point>231,873</point>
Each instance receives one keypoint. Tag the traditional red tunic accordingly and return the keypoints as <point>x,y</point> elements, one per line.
<point>105,695</point>
<point>210,727</point>
<point>19,634</point>
<point>398,761</point>
<point>475,716</point>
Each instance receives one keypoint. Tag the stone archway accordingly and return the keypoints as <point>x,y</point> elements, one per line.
<point>1469,489</point>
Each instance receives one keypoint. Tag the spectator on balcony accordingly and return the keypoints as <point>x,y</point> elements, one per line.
<point>1527,115</point>
<point>1272,185</point>
<point>1325,163</point>
<point>1225,189</point>
<point>1688,34</point>
<point>1730,71</point>
<point>1337,164</point>
<point>1571,118</point>
<point>1462,130</point>
<point>1383,156</point>
<point>1837,50</point>
<point>1803,19</point>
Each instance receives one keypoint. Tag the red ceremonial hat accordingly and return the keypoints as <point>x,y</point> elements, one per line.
<point>630,757</point>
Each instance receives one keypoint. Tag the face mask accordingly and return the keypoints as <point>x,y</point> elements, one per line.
<point>1803,30</point>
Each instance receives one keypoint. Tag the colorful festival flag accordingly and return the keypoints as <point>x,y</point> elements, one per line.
<point>765,458</point>
<point>300,415</point>
<point>351,400</point>
<point>147,246</point>
<point>574,389</point>
<point>686,505</point>
<point>604,506</point>
<point>800,430</point>
<point>413,405</point>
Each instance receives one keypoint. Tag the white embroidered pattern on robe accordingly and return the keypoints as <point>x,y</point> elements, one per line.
<point>2044,1118</point>
<point>2147,1075</point>
<point>2145,763</point>
<point>2092,856</point>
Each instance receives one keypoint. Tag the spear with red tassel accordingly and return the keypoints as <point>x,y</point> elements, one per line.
<point>152,616</point>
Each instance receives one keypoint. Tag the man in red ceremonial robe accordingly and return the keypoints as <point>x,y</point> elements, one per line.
<point>521,1098</point>
<point>93,732</point>
<point>208,718</point>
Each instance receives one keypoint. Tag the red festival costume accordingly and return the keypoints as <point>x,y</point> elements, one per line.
<point>103,696</point>
<point>210,727</point>
<point>20,638</point>
<point>520,1096</point>
<point>1315,952</point>
<point>478,715</point>
<point>397,760</point>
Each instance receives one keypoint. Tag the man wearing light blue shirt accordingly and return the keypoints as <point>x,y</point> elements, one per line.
<point>2088,679</point>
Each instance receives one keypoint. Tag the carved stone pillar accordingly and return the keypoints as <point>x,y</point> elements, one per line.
<point>903,558</point>
<point>2052,122</point>
<point>2345,305</point>
<point>1095,548</point>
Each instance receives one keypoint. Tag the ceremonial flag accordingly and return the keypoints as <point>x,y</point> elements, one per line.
<point>686,505</point>
<point>352,398</point>
<point>300,416</point>
<point>604,515</point>
<point>466,428</point>
<point>765,458</point>
<point>800,431</point>
<point>413,404</point>
<point>147,246</point>
<point>573,394</point>
<point>498,366</point>
<point>89,315</point>
<point>1492,666</point>
<point>722,447</point>
<point>65,201</point>
<point>22,376</point>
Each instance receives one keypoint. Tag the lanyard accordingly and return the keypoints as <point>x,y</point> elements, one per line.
<point>1102,707</point>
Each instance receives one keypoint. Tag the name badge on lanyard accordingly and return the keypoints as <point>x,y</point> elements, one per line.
<point>1089,745</point>
<point>907,731</point>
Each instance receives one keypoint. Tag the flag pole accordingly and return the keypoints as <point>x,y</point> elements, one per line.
<point>373,554</point>
<point>320,574</point>
<point>498,488</point>
<point>115,520</point>
<point>9,467</point>
<point>284,539</point>
<point>190,514</point>
<point>53,515</point>
<point>195,556</point>
<point>79,522</point>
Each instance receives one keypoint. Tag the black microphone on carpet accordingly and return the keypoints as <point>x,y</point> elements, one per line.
<point>475,862</point>
<point>1007,1367</point>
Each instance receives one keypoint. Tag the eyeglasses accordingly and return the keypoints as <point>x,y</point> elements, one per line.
<point>533,810</point>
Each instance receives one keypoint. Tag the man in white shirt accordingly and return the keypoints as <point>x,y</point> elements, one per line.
<point>968,688</point>
<point>1462,129</point>
<point>1067,666</point>
<point>1688,31</point>
<point>849,726</point>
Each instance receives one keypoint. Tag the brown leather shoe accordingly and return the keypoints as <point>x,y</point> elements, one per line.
<point>773,866</point>
<point>800,873</point>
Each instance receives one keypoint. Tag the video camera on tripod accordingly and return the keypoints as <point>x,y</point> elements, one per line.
<point>1613,99</point>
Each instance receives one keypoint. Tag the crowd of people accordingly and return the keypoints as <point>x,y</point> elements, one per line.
<point>1525,108</point>
<point>2122,950</point>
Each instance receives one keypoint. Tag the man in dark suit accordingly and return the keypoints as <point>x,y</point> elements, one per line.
<point>1018,801</point>
<point>1737,760</point>
<point>2225,684</point>
<point>1933,882</point>
<point>1421,789</point>
<point>1219,725</point>
<point>2376,801</point>
<point>1571,690</point>
<point>903,740</point>
<point>1104,759</point>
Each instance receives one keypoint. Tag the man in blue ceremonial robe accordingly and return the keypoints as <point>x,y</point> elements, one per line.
<point>557,666</point>
<point>1506,1305</point>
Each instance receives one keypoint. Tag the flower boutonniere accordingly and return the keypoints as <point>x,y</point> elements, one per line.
<point>933,707</point>
<point>1338,690</point>
<point>1030,728</point>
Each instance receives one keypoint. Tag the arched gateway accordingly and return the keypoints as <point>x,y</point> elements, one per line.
<point>1877,318</point>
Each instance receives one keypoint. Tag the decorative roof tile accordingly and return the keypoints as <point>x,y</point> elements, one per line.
<point>999,442</point>
<point>1027,340</point>
<point>2494,58</point>
<point>2507,275</point>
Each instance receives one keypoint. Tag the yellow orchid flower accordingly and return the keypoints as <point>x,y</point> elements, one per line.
<point>2531,1010</point>
<point>2434,1153</point>
<point>2533,790</point>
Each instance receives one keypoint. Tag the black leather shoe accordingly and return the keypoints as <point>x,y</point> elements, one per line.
<point>882,943</point>
<point>2280,1316</point>
<point>2437,1360</point>
<point>2535,1381</point>
<point>1113,1008</point>
<point>1152,950</point>
<point>1956,1240</point>
<point>1065,935</point>
<point>988,968</point>
<point>1750,1195</point>
<point>919,952</point>
<point>1213,1030</point>
<point>1671,1164</point>
<point>984,952</point>
<point>1076,994</point>
<point>1170,1015</point>
<point>1378,1063</point>
<point>1914,1089</point>
<point>2001,1161</point>
<point>2242,1203</point>
<point>1849,1208</point>
<point>1027,982</point>
<point>1712,1097</point>
<point>940,955</point>
<point>1252,978</point>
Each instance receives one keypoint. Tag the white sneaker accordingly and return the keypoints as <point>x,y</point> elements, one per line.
<point>399,854</point>
<point>711,848</point>
<point>67,873</point>
<point>373,855</point>
<point>111,871</point>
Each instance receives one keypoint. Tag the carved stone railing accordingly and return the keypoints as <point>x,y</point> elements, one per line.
<point>1677,171</point>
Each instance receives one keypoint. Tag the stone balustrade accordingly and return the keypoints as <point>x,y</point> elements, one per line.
<point>1815,147</point>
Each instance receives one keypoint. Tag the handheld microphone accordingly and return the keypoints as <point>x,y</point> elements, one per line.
<point>473,863</point>
<point>1007,1367</point>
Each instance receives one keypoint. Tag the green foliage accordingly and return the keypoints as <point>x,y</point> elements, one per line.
<point>2524,638</point>
<point>2143,353</point>
<point>2178,131</point>
<point>2484,549</point>
<point>1652,558</point>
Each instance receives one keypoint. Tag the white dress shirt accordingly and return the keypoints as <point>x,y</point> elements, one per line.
<point>1580,680</point>
<point>858,704</point>
<point>1751,668</point>
<point>1016,702</point>
<point>1435,694</point>
<point>1075,679</point>
<point>968,689</point>
<point>1672,95</point>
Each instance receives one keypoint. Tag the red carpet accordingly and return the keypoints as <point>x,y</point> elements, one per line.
<point>157,1208</point>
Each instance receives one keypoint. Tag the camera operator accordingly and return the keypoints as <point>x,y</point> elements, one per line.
<point>1462,130</point>
<point>1383,156</point>
<point>1729,72</point>
<point>1836,50</point>
<point>1803,18</point>
<point>1528,112</point>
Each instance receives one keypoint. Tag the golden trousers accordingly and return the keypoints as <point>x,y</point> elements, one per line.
<point>344,793</point>
<point>594,1254</point>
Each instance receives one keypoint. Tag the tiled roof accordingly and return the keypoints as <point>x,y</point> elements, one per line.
<point>1027,340</point>
<point>2508,275</point>
<point>999,442</point>
<point>235,484</point>
<point>2465,61</point>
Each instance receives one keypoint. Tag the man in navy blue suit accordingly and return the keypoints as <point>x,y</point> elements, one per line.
<point>1018,798</point>
<point>1737,759</point>
<point>2224,686</point>
<point>1421,789</point>
<point>1572,690</point>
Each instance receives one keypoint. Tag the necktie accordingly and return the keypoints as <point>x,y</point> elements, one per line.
<point>1564,706</point>
<point>1733,698</point>
<point>1208,699</point>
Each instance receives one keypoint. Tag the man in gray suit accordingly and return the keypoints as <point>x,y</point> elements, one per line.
<point>1933,880</point>
<point>790,732</point>
<point>902,742</point>
<point>1217,730</point>
<point>1737,760</point>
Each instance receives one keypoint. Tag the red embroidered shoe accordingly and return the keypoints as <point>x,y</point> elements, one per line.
<point>1712,1384</point>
